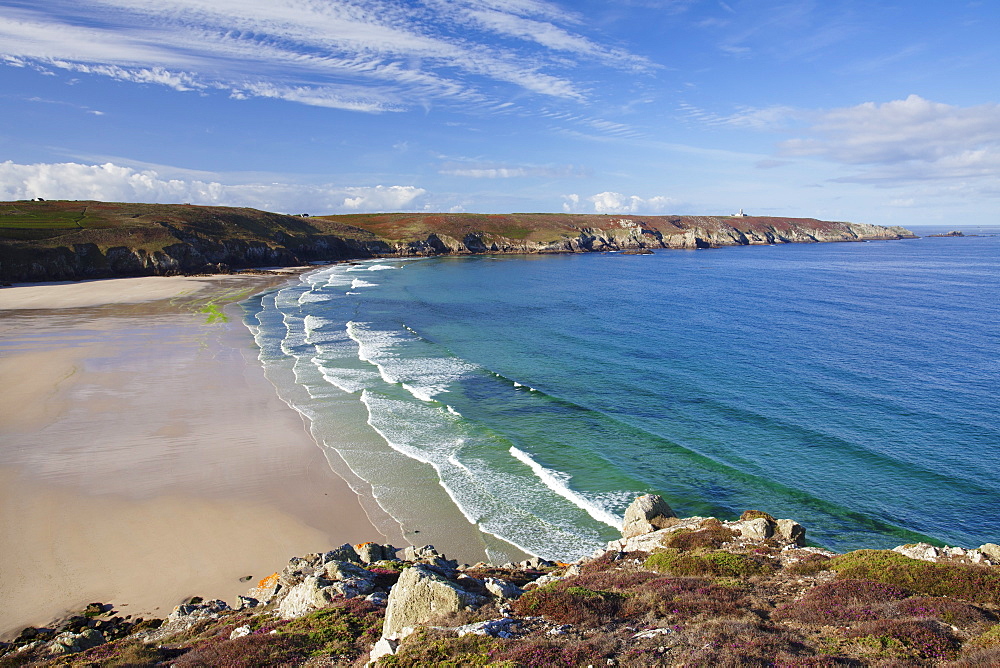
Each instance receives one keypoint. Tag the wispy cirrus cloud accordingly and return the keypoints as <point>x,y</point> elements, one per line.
<point>748,118</point>
<point>362,55</point>
<point>477,170</point>
<point>116,183</point>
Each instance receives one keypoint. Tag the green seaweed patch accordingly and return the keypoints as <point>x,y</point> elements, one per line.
<point>979,584</point>
<point>709,564</point>
<point>213,314</point>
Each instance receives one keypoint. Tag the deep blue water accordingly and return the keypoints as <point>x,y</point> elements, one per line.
<point>852,387</point>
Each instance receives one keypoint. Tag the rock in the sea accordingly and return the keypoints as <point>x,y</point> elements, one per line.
<point>419,595</point>
<point>647,513</point>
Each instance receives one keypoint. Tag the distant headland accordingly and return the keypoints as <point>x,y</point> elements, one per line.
<point>72,240</point>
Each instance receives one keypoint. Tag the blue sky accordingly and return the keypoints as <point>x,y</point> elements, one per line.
<point>861,110</point>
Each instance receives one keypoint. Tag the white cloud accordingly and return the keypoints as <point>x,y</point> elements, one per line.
<point>114,183</point>
<point>613,202</point>
<point>907,140</point>
<point>316,53</point>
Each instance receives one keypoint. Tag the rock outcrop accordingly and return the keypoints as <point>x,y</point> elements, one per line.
<point>420,595</point>
<point>647,513</point>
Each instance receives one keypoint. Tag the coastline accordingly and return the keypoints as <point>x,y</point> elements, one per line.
<point>146,457</point>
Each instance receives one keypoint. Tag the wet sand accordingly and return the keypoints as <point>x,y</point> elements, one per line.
<point>144,458</point>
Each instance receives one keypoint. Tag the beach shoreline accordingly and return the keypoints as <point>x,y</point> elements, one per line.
<point>147,458</point>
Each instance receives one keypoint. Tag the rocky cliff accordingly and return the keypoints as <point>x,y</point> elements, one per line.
<point>42,241</point>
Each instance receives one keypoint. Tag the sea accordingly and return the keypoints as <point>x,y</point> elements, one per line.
<point>852,387</point>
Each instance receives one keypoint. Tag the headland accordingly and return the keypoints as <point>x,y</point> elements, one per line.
<point>72,240</point>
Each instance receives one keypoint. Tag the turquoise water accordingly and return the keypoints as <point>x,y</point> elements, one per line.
<point>852,387</point>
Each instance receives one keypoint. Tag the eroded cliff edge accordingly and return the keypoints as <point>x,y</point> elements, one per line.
<point>69,240</point>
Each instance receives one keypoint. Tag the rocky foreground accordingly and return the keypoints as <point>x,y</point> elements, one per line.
<point>671,592</point>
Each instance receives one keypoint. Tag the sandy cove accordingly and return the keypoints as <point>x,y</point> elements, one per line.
<point>145,458</point>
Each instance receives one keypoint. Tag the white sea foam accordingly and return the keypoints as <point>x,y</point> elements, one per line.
<point>347,380</point>
<point>405,359</point>
<point>423,393</point>
<point>558,481</point>
<point>314,297</point>
<point>453,411</point>
<point>358,283</point>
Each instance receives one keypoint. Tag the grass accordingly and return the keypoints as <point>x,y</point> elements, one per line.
<point>714,564</point>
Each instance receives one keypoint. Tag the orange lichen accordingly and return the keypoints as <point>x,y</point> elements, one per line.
<point>361,545</point>
<point>268,582</point>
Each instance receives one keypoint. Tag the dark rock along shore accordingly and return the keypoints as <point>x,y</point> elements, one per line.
<point>670,592</point>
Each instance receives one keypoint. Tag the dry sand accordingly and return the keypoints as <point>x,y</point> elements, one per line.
<point>145,458</point>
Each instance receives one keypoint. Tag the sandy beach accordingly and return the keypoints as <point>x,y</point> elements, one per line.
<point>145,458</point>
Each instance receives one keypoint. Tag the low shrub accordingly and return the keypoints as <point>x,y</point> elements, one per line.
<point>757,514</point>
<point>253,651</point>
<point>684,599</point>
<point>842,601</point>
<point>979,584</point>
<point>613,561</point>
<point>713,564</point>
<point>810,565</point>
<point>570,604</point>
<point>544,653</point>
<point>894,639</point>
<point>611,580</point>
<point>729,643</point>
<point>345,630</point>
<point>711,537</point>
<point>947,610</point>
<point>433,647</point>
<point>989,639</point>
<point>978,658</point>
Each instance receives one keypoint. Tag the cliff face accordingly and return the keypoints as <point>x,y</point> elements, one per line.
<point>42,241</point>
